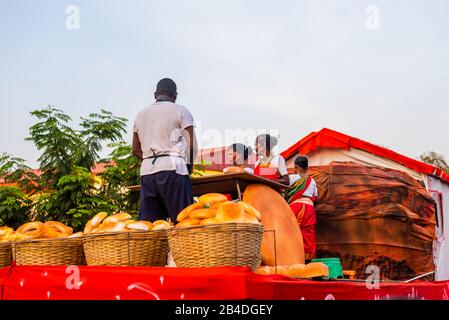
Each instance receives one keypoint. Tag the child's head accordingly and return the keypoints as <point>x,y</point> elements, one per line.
<point>301,164</point>
<point>239,153</point>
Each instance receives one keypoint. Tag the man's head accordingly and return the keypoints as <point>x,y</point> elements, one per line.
<point>166,90</point>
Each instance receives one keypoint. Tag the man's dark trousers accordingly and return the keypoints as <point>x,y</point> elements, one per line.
<point>164,194</point>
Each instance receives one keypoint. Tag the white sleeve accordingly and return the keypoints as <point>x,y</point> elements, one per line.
<point>282,168</point>
<point>185,118</point>
<point>293,178</point>
<point>315,188</point>
<point>136,124</point>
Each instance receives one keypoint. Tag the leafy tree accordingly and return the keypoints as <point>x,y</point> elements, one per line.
<point>436,160</point>
<point>64,147</point>
<point>74,201</point>
<point>96,129</point>
<point>72,194</point>
<point>122,170</point>
<point>57,141</point>
<point>14,170</point>
<point>15,207</point>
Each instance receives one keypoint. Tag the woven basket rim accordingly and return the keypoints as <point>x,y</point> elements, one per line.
<point>121,234</point>
<point>230,225</point>
<point>47,240</point>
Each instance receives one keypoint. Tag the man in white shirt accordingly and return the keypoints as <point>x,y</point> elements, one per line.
<point>164,139</point>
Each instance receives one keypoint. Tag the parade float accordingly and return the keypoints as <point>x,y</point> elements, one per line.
<point>241,241</point>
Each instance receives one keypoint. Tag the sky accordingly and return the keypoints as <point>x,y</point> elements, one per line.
<point>377,70</point>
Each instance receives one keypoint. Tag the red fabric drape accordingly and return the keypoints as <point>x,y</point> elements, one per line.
<point>233,283</point>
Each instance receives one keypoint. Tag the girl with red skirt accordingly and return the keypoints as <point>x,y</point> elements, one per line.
<point>301,197</point>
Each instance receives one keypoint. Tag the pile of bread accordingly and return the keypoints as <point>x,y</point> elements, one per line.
<point>121,222</point>
<point>37,230</point>
<point>310,270</point>
<point>100,223</point>
<point>214,208</point>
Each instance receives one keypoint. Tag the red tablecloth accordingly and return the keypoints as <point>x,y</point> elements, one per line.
<point>110,283</point>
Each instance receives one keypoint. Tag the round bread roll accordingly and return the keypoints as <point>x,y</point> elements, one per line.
<point>76,235</point>
<point>276,215</point>
<point>297,270</point>
<point>188,223</point>
<point>130,221</point>
<point>202,213</point>
<point>33,230</point>
<point>17,237</point>
<point>55,229</point>
<point>184,214</point>
<point>215,205</point>
<point>250,209</point>
<point>161,225</point>
<point>95,222</point>
<point>5,231</point>
<point>249,218</point>
<point>212,198</point>
<point>233,169</point>
<point>266,270</point>
<point>230,212</point>
<point>118,217</point>
<point>118,226</point>
<point>139,226</point>
<point>280,270</point>
<point>316,269</point>
<point>208,221</point>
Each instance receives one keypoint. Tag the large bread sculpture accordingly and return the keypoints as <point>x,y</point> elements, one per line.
<point>276,215</point>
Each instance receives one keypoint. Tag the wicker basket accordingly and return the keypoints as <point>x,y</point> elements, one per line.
<point>5,254</point>
<point>230,244</point>
<point>146,248</point>
<point>54,252</point>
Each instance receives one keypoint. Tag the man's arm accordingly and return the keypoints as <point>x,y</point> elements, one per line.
<point>137,147</point>
<point>192,146</point>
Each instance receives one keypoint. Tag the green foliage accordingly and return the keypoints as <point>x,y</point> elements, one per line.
<point>122,170</point>
<point>74,201</point>
<point>57,141</point>
<point>199,168</point>
<point>96,129</point>
<point>436,160</point>
<point>64,147</point>
<point>15,207</point>
<point>68,191</point>
<point>14,170</point>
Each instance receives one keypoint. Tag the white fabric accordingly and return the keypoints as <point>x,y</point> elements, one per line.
<point>325,156</point>
<point>276,161</point>
<point>311,191</point>
<point>160,127</point>
<point>441,243</point>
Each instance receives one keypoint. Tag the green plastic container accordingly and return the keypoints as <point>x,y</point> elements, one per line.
<point>334,265</point>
